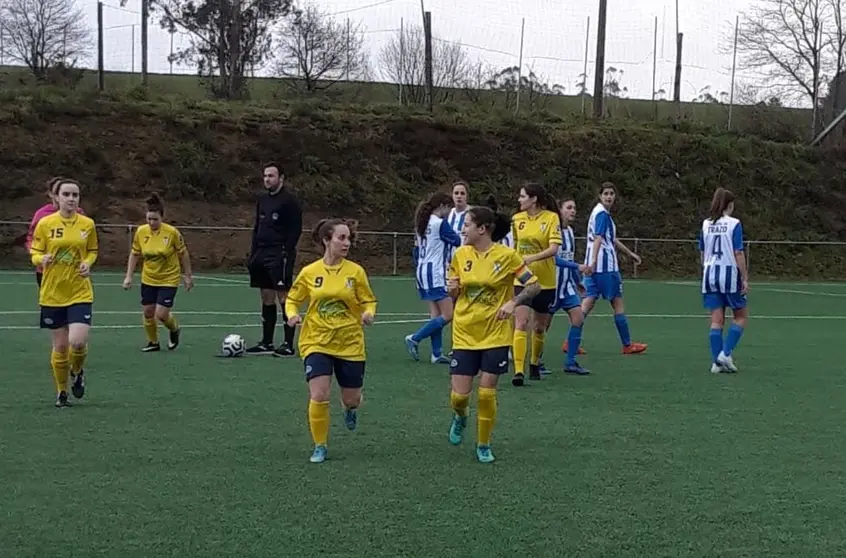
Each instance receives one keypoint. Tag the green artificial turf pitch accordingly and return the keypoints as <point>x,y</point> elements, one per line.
<point>184,454</point>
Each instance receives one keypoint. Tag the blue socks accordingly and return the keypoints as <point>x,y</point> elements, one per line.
<point>574,339</point>
<point>623,329</point>
<point>438,343</point>
<point>433,328</point>
<point>715,337</point>
<point>732,339</point>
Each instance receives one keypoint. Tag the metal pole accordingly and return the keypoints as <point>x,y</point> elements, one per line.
<point>145,44</point>
<point>400,72</point>
<point>520,67</point>
<point>394,242</point>
<point>733,69</point>
<point>654,69</point>
<point>599,71</point>
<point>133,48</point>
<point>100,71</point>
<point>170,58</point>
<point>584,71</point>
<point>348,49</point>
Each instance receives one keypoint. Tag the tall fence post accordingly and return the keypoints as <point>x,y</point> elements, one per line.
<point>129,236</point>
<point>748,258</point>
<point>636,250</point>
<point>394,242</point>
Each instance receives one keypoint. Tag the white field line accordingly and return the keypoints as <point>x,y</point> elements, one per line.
<point>187,313</point>
<point>422,320</point>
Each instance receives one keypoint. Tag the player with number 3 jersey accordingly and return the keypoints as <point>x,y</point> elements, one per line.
<point>725,278</point>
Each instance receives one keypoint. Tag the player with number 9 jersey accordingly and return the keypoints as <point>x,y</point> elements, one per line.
<point>340,303</point>
<point>725,278</point>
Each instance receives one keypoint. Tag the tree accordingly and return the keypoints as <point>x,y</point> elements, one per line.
<point>228,38</point>
<point>835,37</point>
<point>534,91</point>
<point>783,41</point>
<point>44,35</point>
<point>318,51</point>
<point>402,60</point>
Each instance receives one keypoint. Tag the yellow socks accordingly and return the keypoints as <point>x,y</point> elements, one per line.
<point>170,323</point>
<point>486,418</point>
<point>318,421</point>
<point>77,358</point>
<point>59,363</point>
<point>538,340</point>
<point>151,329</point>
<point>519,350</point>
<point>459,403</point>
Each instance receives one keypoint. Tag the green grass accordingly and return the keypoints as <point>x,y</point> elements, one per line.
<point>184,454</point>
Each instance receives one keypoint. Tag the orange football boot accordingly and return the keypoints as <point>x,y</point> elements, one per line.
<point>635,349</point>
<point>564,349</point>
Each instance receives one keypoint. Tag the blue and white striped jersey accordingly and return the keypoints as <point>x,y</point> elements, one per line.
<point>456,221</point>
<point>508,240</point>
<point>718,241</point>
<point>602,225</point>
<point>434,252</point>
<point>567,275</point>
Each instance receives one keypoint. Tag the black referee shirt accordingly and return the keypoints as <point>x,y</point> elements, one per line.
<point>279,222</point>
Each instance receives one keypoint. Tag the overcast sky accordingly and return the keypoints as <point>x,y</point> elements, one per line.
<point>554,41</point>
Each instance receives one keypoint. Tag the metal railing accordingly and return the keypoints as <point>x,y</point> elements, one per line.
<point>634,243</point>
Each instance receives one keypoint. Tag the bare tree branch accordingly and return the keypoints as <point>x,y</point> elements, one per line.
<point>402,60</point>
<point>318,51</point>
<point>783,41</point>
<point>44,34</point>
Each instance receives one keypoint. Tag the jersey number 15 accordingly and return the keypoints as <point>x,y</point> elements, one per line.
<point>57,233</point>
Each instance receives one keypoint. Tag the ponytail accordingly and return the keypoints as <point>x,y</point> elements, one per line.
<point>425,209</point>
<point>719,203</point>
<point>545,200</point>
<point>155,204</point>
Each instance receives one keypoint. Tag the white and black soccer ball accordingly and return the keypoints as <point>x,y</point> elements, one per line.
<point>233,346</point>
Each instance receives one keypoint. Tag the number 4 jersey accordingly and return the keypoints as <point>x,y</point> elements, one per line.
<point>718,242</point>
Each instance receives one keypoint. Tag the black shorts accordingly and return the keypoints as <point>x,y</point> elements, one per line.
<point>469,362</point>
<point>349,373</point>
<point>162,296</point>
<point>543,303</point>
<point>38,277</point>
<point>56,317</point>
<point>271,269</point>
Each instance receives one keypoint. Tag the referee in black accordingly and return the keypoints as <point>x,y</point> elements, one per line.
<point>277,230</point>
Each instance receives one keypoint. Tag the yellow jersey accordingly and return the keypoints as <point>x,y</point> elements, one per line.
<point>533,235</point>
<point>161,250</point>
<point>337,295</point>
<point>486,282</point>
<point>69,242</point>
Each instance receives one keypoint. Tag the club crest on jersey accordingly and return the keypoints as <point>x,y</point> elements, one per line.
<point>350,282</point>
<point>543,227</point>
<point>497,266</point>
<point>83,234</point>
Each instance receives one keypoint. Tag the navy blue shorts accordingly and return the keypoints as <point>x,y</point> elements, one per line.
<point>349,373</point>
<point>714,301</point>
<point>163,296</point>
<point>543,303</point>
<point>469,362</point>
<point>434,294</point>
<point>607,285</point>
<point>56,317</point>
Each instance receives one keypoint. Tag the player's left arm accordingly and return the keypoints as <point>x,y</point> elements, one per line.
<point>92,247</point>
<point>454,277</point>
<point>184,260</point>
<point>365,296</point>
<point>295,226</point>
<point>740,255</point>
<point>448,234</point>
<point>520,270</point>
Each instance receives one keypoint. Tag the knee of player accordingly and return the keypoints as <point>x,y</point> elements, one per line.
<point>61,346</point>
<point>577,319</point>
<point>741,320</point>
<point>162,313</point>
<point>351,397</point>
<point>319,388</point>
<point>149,312</point>
<point>78,344</point>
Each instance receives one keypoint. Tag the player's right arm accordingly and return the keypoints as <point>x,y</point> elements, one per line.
<point>132,260</point>
<point>38,249</point>
<point>453,281</point>
<point>255,228</point>
<point>740,256</point>
<point>527,280</point>
<point>297,296</point>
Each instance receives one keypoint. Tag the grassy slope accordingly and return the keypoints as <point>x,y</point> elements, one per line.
<point>375,163</point>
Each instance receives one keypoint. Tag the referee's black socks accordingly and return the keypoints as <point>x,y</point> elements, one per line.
<point>268,323</point>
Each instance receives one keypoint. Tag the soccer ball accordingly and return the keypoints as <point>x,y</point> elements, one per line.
<point>233,346</point>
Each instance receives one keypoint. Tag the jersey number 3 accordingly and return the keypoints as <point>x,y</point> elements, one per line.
<point>717,248</point>
<point>468,265</point>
